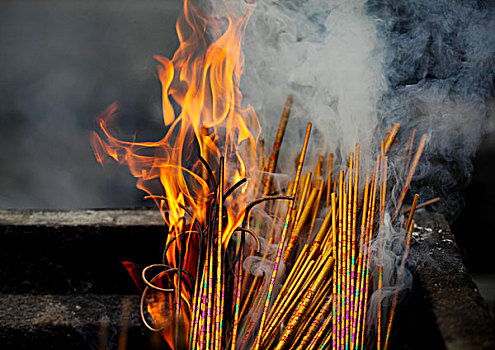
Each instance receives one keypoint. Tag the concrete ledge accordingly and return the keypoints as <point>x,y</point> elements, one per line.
<point>28,312</point>
<point>60,252</point>
<point>71,322</point>
<point>56,255</point>
<point>459,312</point>
<point>71,218</point>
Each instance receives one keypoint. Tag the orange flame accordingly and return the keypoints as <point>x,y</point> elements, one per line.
<point>203,80</point>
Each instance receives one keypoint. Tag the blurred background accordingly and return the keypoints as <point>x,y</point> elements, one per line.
<point>63,62</point>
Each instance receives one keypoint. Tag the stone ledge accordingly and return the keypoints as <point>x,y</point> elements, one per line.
<point>42,250</point>
<point>459,311</point>
<point>71,322</point>
<point>104,217</point>
<point>62,252</point>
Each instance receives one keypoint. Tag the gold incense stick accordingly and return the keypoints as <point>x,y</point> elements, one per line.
<point>300,224</point>
<point>304,304</point>
<point>282,238</point>
<point>322,313</point>
<point>218,289</point>
<point>421,205</point>
<point>278,141</point>
<point>363,302</point>
<point>391,137</point>
<point>360,270</point>
<point>316,207</point>
<point>334,289</point>
<point>412,169</point>
<point>396,294</point>
<point>349,240</point>
<point>329,178</point>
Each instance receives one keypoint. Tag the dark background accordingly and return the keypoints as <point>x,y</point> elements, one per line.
<point>62,62</point>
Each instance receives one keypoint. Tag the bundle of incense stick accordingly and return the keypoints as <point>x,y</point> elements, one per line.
<point>321,299</point>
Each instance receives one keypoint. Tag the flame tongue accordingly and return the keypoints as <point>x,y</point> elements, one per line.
<point>203,80</point>
<point>202,114</point>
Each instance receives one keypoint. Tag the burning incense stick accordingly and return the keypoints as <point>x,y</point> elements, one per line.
<point>424,204</point>
<point>278,142</point>
<point>300,224</point>
<point>324,294</point>
<point>329,178</point>
<point>399,274</point>
<point>219,285</point>
<point>282,237</point>
<point>206,284</point>
<point>412,169</point>
<point>391,137</point>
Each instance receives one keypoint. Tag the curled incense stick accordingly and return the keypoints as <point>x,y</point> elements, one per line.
<point>282,238</point>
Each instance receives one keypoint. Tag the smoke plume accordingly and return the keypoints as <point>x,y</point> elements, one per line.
<point>354,68</point>
<point>440,70</point>
<point>329,57</point>
<point>352,65</point>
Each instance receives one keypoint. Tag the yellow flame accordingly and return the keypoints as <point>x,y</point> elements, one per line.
<point>202,82</point>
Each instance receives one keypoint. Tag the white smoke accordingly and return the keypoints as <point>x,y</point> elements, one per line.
<point>352,66</point>
<point>328,56</point>
<point>440,69</point>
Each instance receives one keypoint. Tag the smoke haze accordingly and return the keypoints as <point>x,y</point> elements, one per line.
<point>352,65</point>
<point>440,68</point>
<point>61,64</point>
<point>327,54</point>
